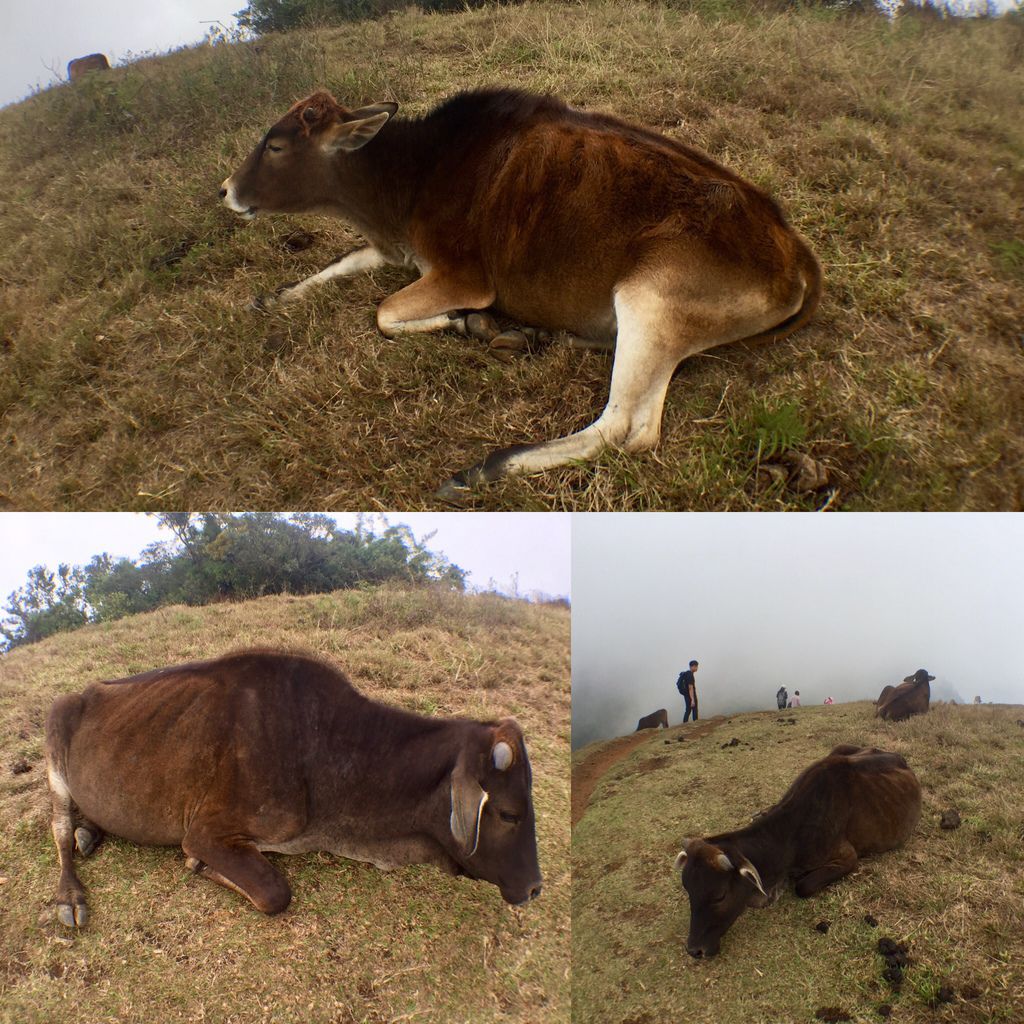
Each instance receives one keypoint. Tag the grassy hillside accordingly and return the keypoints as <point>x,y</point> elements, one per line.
<point>954,896</point>
<point>133,375</point>
<point>357,945</point>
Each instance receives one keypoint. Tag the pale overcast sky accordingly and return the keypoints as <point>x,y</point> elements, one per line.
<point>37,35</point>
<point>491,546</point>
<point>831,605</point>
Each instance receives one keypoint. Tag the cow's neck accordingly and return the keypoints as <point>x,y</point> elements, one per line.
<point>379,184</point>
<point>768,843</point>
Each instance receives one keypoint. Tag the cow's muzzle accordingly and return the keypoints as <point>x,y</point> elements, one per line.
<point>520,899</point>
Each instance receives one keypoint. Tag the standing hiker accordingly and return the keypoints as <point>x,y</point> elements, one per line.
<point>781,698</point>
<point>687,686</point>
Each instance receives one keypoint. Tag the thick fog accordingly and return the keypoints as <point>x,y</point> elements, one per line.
<point>830,605</point>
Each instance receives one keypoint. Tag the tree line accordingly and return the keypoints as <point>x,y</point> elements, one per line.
<point>220,557</point>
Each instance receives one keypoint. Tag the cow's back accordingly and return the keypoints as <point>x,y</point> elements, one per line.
<point>142,756</point>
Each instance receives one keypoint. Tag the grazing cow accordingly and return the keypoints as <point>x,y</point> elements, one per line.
<point>264,751</point>
<point>82,65</point>
<point>911,697</point>
<point>653,720</point>
<point>555,217</point>
<point>855,802</point>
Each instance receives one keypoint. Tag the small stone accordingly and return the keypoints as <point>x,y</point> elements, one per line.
<point>20,767</point>
<point>771,475</point>
<point>805,474</point>
<point>679,739</point>
<point>950,819</point>
<point>823,927</point>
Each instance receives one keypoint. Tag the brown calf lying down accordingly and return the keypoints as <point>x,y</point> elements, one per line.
<point>653,720</point>
<point>856,802</point>
<point>263,751</point>
<point>555,217</point>
<point>911,697</point>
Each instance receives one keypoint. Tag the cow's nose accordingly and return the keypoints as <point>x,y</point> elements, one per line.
<point>694,952</point>
<point>535,891</point>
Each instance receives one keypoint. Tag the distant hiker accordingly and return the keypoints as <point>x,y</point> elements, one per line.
<point>828,700</point>
<point>687,686</point>
<point>795,702</point>
<point>781,698</point>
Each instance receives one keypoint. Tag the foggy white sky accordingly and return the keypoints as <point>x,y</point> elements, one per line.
<point>491,546</point>
<point>831,605</point>
<point>36,35</point>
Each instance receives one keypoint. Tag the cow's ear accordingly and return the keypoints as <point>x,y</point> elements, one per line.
<point>468,799</point>
<point>749,872</point>
<point>346,136</point>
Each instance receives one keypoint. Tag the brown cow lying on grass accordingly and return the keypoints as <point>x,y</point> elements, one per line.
<point>555,217</point>
<point>911,697</point>
<point>856,802</point>
<point>653,720</point>
<point>263,751</point>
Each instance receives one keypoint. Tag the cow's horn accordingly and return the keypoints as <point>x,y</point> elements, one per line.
<point>723,863</point>
<point>679,861</point>
<point>502,755</point>
<point>309,115</point>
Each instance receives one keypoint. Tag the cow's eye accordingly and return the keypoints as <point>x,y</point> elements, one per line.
<point>273,148</point>
<point>512,819</point>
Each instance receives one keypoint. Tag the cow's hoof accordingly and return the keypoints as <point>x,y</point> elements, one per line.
<point>482,326</point>
<point>455,491</point>
<point>72,915</point>
<point>86,840</point>
<point>509,344</point>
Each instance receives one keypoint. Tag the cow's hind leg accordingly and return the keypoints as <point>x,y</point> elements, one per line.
<point>70,898</point>
<point>240,866</point>
<point>650,344</point>
<point>842,862</point>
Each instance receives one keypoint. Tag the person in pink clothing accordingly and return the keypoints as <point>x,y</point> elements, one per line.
<point>795,702</point>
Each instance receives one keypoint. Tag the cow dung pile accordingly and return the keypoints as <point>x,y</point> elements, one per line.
<point>950,819</point>
<point>831,1014</point>
<point>896,956</point>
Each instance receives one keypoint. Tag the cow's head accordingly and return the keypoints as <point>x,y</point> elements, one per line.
<point>295,168</point>
<point>491,820</point>
<point>919,677</point>
<point>720,886</point>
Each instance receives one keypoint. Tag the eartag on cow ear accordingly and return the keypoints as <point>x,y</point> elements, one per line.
<point>502,755</point>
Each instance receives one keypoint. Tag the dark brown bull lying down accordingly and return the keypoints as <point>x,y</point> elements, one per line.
<point>558,218</point>
<point>911,697</point>
<point>856,802</point>
<point>263,751</point>
<point>653,720</point>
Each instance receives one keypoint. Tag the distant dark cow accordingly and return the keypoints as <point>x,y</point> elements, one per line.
<point>855,802</point>
<point>653,720</point>
<point>80,65</point>
<point>911,697</point>
<point>555,217</point>
<point>263,751</point>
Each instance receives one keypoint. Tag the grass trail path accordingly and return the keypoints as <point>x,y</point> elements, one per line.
<point>589,772</point>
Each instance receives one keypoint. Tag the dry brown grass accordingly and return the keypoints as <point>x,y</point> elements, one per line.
<point>954,896</point>
<point>134,377</point>
<point>357,944</point>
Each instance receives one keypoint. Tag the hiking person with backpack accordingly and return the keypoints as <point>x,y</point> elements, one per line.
<point>781,698</point>
<point>687,686</point>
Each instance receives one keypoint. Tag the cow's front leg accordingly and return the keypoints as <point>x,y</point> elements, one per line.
<point>355,262</point>
<point>436,302</point>
<point>840,864</point>
<point>237,864</point>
